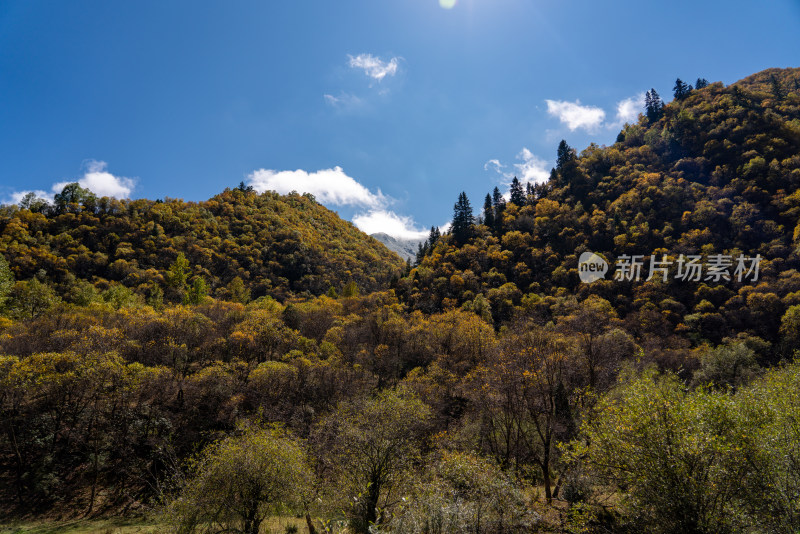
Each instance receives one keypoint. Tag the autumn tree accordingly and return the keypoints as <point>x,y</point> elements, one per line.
<point>369,448</point>
<point>236,483</point>
<point>178,276</point>
<point>669,452</point>
<point>6,281</point>
<point>589,321</point>
<point>460,493</point>
<point>31,298</point>
<point>520,402</point>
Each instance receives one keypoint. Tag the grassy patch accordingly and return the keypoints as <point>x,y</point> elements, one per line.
<point>273,525</point>
<point>100,526</point>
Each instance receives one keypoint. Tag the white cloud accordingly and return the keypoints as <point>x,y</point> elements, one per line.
<point>532,169</point>
<point>16,197</point>
<point>329,186</point>
<point>96,179</point>
<point>575,116</point>
<point>495,165</point>
<point>529,169</point>
<point>374,67</point>
<point>345,101</point>
<point>334,187</point>
<point>628,110</point>
<point>101,182</point>
<point>390,223</point>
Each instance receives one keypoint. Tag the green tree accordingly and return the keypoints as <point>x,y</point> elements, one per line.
<point>776,88</point>
<point>197,292</point>
<point>499,205</point>
<point>178,274</point>
<point>236,483</point>
<point>653,105</point>
<point>488,212</point>
<point>672,454</point>
<point>790,327</point>
<point>31,298</point>
<point>700,83</point>
<point>769,411</point>
<point>371,447</point>
<point>565,155</point>
<point>33,203</point>
<point>681,89</point>
<point>462,220</point>
<point>6,281</point>
<point>462,493</point>
<point>350,290</point>
<point>238,292</point>
<point>73,195</point>
<point>517,193</point>
<point>727,366</point>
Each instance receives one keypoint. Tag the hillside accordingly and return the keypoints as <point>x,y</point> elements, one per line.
<point>715,172</point>
<point>489,389</point>
<point>277,245</point>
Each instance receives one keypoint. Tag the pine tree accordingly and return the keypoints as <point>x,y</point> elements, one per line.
<point>700,83</point>
<point>433,236</point>
<point>566,172</point>
<point>462,219</point>
<point>245,188</point>
<point>488,211</point>
<point>777,90</point>
<point>564,155</point>
<point>499,204</point>
<point>517,193</point>
<point>422,251</point>
<point>681,90</point>
<point>654,106</point>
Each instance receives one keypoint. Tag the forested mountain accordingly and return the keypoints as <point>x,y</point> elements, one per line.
<point>486,390</point>
<point>263,244</point>
<point>714,172</point>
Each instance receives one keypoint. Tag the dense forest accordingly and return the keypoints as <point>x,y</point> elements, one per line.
<point>217,363</point>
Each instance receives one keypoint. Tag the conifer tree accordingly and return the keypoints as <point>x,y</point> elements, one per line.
<point>499,204</point>
<point>517,193</point>
<point>462,219</point>
<point>488,211</point>
<point>777,90</point>
<point>564,155</point>
<point>654,106</point>
<point>433,237</point>
<point>700,83</point>
<point>681,90</point>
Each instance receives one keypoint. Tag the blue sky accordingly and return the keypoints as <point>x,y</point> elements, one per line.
<point>384,109</point>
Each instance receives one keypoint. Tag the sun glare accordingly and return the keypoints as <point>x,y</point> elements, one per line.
<point>447,4</point>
